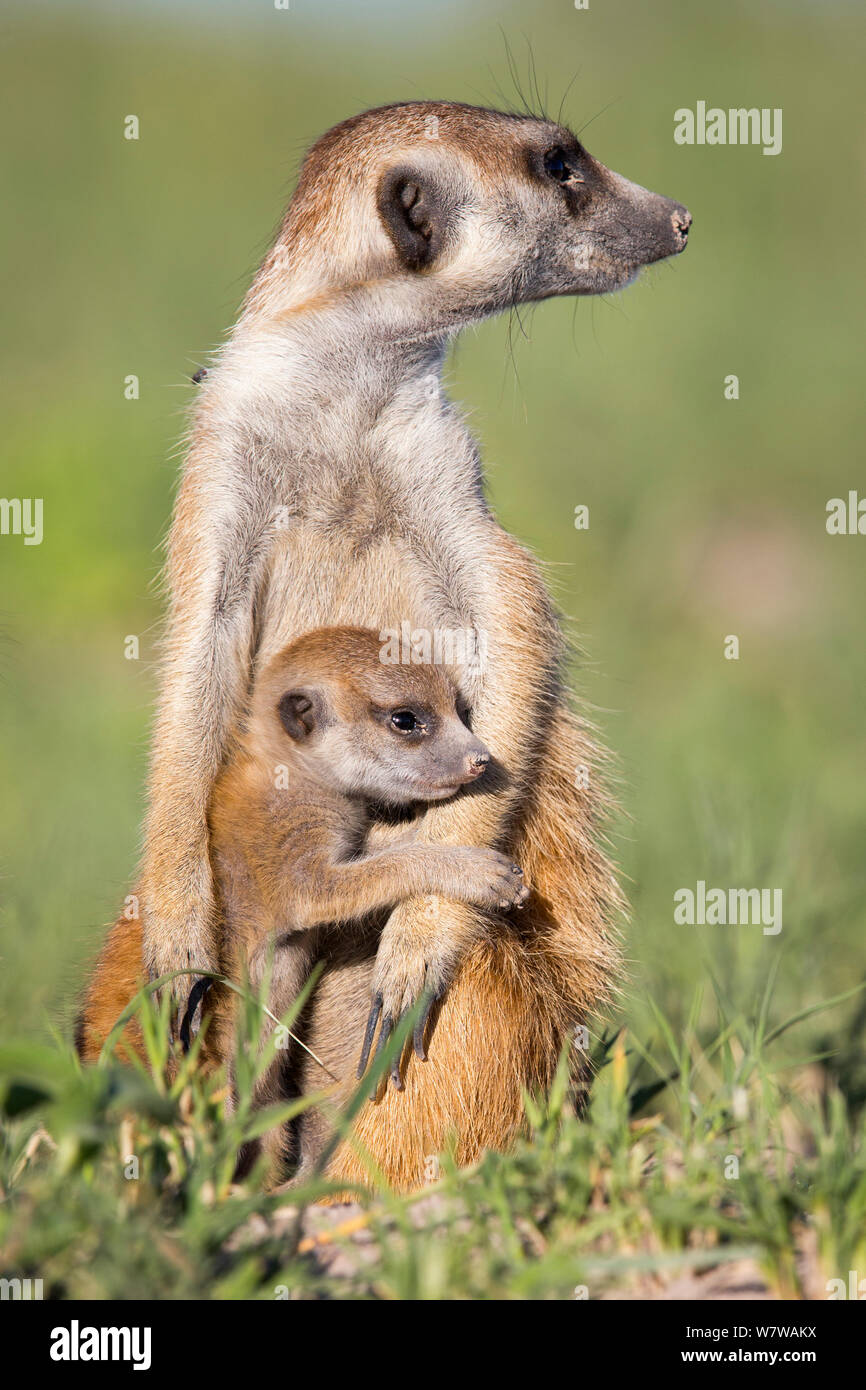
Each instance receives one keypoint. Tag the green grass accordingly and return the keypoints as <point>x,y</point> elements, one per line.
<point>118,1183</point>
<point>706,518</point>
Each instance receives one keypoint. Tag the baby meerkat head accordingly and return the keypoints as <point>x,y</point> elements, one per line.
<point>368,727</point>
<point>476,209</point>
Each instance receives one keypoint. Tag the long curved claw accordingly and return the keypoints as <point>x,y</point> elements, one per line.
<point>395,1065</point>
<point>384,1034</point>
<point>430,998</point>
<point>421,1026</point>
<point>396,1078</point>
<point>372,1020</point>
<point>188,1027</point>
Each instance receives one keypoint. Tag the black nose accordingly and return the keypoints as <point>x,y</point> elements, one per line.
<point>682,220</point>
<point>478,762</point>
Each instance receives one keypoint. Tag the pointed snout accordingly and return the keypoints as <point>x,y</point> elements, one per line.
<point>660,228</point>
<point>640,226</point>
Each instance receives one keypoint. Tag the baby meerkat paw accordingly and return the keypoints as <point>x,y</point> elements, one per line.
<point>492,880</point>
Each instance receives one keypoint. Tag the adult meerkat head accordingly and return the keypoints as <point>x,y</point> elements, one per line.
<point>469,210</point>
<point>364,726</point>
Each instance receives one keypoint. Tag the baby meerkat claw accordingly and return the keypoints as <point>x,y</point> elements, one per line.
<point>520,896</point>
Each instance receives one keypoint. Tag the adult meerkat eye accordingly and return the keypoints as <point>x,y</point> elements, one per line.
<point>557,167</point>
<point>404,721</point>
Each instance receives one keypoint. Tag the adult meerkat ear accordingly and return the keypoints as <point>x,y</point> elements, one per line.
<point>414,213</point>
<point>301,713</point>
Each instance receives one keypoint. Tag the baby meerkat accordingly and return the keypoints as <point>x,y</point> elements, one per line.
<point>337,734</point>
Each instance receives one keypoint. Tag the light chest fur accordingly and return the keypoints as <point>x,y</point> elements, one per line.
<point>372,511</point>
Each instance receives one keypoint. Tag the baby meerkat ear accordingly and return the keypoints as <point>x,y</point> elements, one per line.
<point>301,713</point>
<point>415,215</point>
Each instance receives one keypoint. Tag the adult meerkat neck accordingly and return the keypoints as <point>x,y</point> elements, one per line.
<point>355,353</point>
<point>399,324</point>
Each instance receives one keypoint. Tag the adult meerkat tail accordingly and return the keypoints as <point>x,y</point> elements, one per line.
<point>117,976</point>
<point>114,981</point>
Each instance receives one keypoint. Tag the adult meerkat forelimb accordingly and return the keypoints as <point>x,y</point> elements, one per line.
<point>213,576</point>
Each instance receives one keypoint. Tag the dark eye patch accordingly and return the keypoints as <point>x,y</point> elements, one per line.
<point>562,166</point>
<point>556,166</point>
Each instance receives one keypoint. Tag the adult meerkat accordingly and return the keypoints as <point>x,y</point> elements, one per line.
<point>330,481</point>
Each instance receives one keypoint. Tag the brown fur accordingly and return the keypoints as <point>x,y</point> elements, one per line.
<point>500,1029</point>
<point>292,812</point>
<point>517,999</point>
<point>329,481</point>
<point>117,975</point>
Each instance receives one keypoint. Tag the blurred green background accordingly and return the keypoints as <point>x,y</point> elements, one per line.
<point>707,516</point>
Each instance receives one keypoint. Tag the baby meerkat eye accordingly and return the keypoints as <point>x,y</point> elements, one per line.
<point>558,168</point>
<point>404,721</point>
